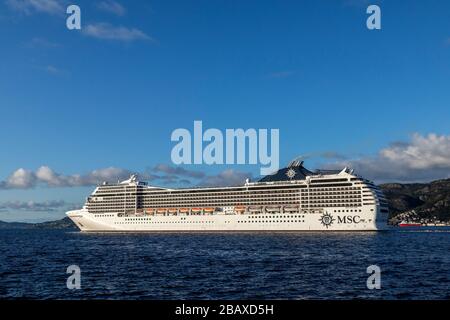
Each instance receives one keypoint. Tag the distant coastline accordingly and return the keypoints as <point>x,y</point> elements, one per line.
<point>64,223</point>
<point>425,203</point>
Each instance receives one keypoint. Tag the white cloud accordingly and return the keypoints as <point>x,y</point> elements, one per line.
<point>21,179</point>
<point>46,206</point>
<point>228,177</point>
<point>423,158</point>
<point>432,151</point>
<point>112,6</point>
<point>164,168</point>
<point>26,179</point>
<point>165,174</point>
<point>46,175</point>
<point>281,74</point>
<point>55,71</point>
<point>100,175</point>
<point>53,7</point>
<point>107,31</point>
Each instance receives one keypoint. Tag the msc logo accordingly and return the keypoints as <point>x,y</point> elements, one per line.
<point>326,220</point>
<point>349,219</point>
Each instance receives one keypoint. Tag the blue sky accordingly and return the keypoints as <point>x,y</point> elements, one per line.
<point>109,95</point>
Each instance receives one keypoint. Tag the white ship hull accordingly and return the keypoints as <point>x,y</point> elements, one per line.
<point>328,220</point>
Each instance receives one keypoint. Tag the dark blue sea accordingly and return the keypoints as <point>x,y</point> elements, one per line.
<point>414,265</point>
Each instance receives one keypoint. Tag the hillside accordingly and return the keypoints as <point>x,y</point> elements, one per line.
<point>64,223</point>
<point>428,200</point>
<point>13,225</point>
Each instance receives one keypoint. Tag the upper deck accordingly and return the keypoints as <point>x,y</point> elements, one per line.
<point>291,186</point>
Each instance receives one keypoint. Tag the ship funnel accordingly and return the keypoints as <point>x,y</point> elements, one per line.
<point>297,162</point>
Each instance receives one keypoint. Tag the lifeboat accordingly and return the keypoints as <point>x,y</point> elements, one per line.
<point>161,210</point>
<point>273,209</point>
<point>149,211</point>
<point>208,210</point>
<point>196,209</point>
<point>239,209</point>
<point>173,210</point>
<point>292,208</point>
<point>255,209</point>
<point>184,210</point>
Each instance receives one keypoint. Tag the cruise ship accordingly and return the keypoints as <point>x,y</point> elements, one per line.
<point>292,199</point>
